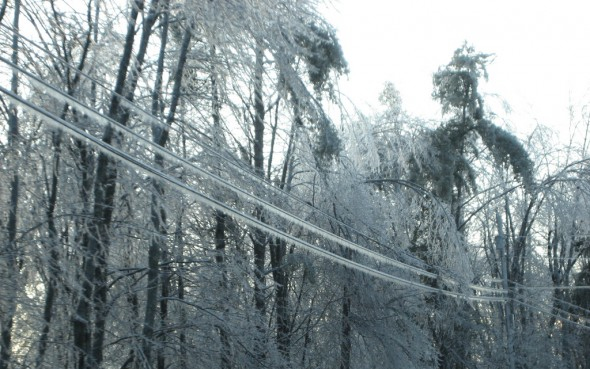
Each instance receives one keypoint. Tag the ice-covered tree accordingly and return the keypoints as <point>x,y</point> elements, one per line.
<point>457,141</point>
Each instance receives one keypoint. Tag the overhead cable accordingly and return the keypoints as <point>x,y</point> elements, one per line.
<point>154,173</point>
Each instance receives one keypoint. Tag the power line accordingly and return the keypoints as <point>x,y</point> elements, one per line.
<point>243,169</point>
<point>574,306</point>
<point>547,312</point>
<point>203,198</point>
<point>105,121</point>
<point>171,156</point>
<point>542,288</point>
<point>517,298</point>
<point>99,118</point>
<point>152,172</point>
<point>236,164</point>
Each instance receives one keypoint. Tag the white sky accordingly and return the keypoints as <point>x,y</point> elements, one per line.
<point>542,52</point>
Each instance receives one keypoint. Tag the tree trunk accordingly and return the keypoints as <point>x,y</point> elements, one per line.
<point>54,261</point>
<point>53,270</point>
<point>183,360</point>
<point>346,340</point>
<point>179,243</point>
<point>259,111</point>
<point>345,327</point>
<point>158,214</point>
<point>508,307</point>
<point>10,248</point>
<point>157,106</point>
<point>158,242</point>
<point>220,244</point>
<point>165,276</point>
<point>3,9</point>
<point>278,250</point>
<point>258,237</point>
<point>89,342</point>
<point>220,218</point>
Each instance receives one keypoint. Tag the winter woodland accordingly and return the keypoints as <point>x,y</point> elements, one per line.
<point>181,186</point>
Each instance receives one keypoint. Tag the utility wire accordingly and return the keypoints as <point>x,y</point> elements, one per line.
<point>548,312</point>
<point>230,160</point>
<point>542,288</point>
<point>104,121</point>
<point>99,117</point>
<point>203,198</point>
<point>154,173</point>
<point>547,309</point>
<point>574,306</point>
<point>281,212</point>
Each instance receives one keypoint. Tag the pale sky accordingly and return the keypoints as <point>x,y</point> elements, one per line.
<point>542,52</point>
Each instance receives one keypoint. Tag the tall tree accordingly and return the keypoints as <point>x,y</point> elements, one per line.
<point>158,212</point>
<point>73,80</point>
<point>456,88</point>
<point>89,339</point>
<point>9,246</point>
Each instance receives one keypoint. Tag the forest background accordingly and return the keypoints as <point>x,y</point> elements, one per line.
<point>182,186</point>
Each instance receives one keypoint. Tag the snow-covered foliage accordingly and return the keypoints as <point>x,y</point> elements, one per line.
<point>175,194</point>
